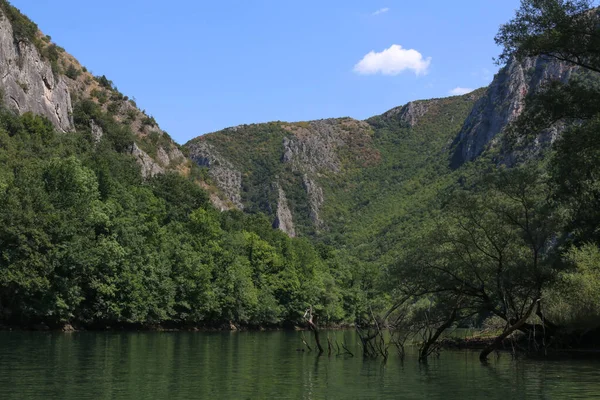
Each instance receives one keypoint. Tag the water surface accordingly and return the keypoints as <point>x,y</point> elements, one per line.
<point>257,365</point>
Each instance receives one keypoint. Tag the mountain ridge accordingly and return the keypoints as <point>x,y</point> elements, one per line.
<point>282,169</point>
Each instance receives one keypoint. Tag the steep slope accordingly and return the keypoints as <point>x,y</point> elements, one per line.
<point>316,177</point>
<point>27,77</point>
<point>502,103</point>
<point>277,168</point>
<point>345,180</point>
<point>38,76</point>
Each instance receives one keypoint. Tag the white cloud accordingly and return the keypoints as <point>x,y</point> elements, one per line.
<point>457,91</point>
<point>393,61</point>
<point>381,11</point>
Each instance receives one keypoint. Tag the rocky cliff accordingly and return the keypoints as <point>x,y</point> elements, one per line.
<point>503,103</point>
<point>277,167</point>
<point>305,174</point>
<point>38,76</point>
<point>28,82</point>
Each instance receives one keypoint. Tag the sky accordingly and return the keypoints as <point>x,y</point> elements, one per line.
<point>201,66</point>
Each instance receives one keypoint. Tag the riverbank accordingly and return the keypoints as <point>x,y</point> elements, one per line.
<point>221,327</point>
<point>587,348</point>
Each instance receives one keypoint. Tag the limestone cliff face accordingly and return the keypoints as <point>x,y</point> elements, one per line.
<point>300,156</point>
<point>149,167</point>
<point>503,103</point>
<point>31,83</point>
<point>284,219</point>
<point>315,148</point>
<point>315,200</point>
<point>410,113</point>
<point>223,172</point>
<point>316,145</point>
<point>28,82</point>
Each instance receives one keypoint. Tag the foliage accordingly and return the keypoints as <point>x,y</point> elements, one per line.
<point>23,28</point>
<point>573,300</point>
<point>83,239</point>
<point>566,30</point>
<point>73,72</point>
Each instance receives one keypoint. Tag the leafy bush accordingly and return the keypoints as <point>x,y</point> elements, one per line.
<point>104,82</point>
<point>72,72</point>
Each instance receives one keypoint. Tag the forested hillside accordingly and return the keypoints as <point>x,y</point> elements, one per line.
<point>105,223</point>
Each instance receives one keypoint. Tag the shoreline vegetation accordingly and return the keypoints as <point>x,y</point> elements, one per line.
<point>468,340</point>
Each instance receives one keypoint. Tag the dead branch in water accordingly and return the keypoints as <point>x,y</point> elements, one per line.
<point>308,316</point>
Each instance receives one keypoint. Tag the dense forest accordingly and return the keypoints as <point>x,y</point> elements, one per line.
<point>84,239</point>
<point>520,244</point>
<point>413,243</point>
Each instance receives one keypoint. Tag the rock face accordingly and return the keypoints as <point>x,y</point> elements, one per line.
<point>97,132</point>
<point>315,200</point>
<point>315,148</point>
<point>148,165</point>
<point>28,82</point>
<point>410,113</point>
<point>227,178</point>
<point>301,156</point>
<point>503,103</point>
<point>284,219</point>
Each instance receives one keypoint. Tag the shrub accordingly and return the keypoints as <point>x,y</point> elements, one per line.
<point>100,95</point>
<point>104,82</point>
<point>131,115</point>
<point>149,121</point>
<point>113,107</point>
<point>72,72</point>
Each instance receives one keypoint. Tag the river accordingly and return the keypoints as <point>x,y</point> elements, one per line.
<point>264,365</point>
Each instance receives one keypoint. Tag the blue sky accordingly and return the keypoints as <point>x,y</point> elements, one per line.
<point>200,66</point>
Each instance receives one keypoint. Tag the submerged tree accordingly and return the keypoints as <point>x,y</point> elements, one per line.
<point>489,252</point>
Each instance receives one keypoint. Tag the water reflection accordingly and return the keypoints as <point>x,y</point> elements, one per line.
<point>264,365</point>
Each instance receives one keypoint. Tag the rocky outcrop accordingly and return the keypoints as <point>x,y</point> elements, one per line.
<point>97,132</point>
<point>284,220</point>
<point>149,167</point>
<point>28,82</point>
<point>169,157</point>
<point>410,113</point>
<point>503,103</point>
<point>315,146</point>
<point>315,200</point>
<point>227,178</point>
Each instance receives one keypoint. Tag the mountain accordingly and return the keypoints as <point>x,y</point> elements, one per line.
<point>335,179</point>
<point>502,103</point>
<point>108,220</point>
<point>347,180</point>
<point>41,77</point>
<point>306,175</point>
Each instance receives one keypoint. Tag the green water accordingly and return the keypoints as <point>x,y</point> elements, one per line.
<point>257,365</point>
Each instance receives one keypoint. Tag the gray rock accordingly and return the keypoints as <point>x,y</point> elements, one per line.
<point>227,178</point>
<point>284,220</point>
<point>28,82</point>
<point>97,132</point>
<point>315,200</point>
<point>503,103</point>
<point>163,157</point>
<point>149,167</point>
<point>315,147</point>
<point>410,113</point>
